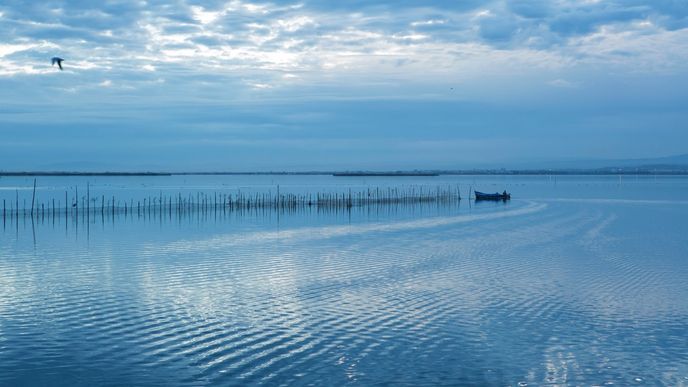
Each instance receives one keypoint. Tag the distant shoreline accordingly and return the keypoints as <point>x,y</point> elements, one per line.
<point>385,174</point>
<point>40,173</point>
<point>431,173</point>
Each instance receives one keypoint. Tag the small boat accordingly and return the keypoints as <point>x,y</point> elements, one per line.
<point>495,196</point>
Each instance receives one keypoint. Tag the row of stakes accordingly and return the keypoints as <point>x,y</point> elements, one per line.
<point>223,202</point>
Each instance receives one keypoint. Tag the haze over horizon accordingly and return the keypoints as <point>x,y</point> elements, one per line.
<point>235,85</point>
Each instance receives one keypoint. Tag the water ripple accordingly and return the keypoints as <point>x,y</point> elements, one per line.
<point>533,294</point>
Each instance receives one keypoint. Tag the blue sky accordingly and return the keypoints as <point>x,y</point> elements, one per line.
<point>236,85</point>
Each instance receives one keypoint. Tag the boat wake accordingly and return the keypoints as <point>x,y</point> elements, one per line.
<point>315,233</point>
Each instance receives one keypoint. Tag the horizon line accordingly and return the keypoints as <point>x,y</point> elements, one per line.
<point>646,170</point>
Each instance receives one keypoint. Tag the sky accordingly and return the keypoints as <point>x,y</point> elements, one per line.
<point>320,85</point>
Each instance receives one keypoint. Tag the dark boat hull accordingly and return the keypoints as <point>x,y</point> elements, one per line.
<point>494,196</point>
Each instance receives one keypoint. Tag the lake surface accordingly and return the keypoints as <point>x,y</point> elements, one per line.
<point>578,280</point>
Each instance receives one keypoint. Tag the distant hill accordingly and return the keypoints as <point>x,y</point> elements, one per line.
<point>679,160</point>
<point>669,162</point>
<point>677,164</point>
<point>659,164</point>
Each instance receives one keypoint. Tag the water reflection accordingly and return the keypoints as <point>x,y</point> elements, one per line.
<point>536,292</point>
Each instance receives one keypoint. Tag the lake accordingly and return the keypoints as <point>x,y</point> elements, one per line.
<point>578,280</point>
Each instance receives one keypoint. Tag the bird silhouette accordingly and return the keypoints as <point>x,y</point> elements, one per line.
<point>58,61</point>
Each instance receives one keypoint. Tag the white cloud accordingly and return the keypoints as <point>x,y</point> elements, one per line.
<point>253,8</point>
<point>624,47</point>
<point>203,16</point>
<point>414,37</point>
<point>240,36</point>
<point>430,22</point>
<point>483,13</point>
<point>296,23</point>
<point>563,83</point>
<point>9,49</point>
<point>260,86</point>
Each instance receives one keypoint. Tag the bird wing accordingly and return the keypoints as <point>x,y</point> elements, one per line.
<point>57,60</point>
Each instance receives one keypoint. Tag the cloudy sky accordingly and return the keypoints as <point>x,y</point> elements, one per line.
<point>236,85</point>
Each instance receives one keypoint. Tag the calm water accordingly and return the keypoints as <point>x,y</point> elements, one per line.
<point>577,281</point>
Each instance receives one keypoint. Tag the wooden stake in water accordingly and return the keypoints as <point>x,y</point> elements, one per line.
<point>33,197</point>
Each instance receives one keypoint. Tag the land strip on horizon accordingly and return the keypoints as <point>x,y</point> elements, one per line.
<point>659,170</point>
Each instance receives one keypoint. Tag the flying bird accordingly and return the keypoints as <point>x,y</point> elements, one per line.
<point>58,61</point>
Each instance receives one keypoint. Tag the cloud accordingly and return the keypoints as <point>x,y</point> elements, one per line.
<point>320,42</point>
<point>227,38</point>
<point>563,83</point>
<point>253,53</point>
<point>430,22</point>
